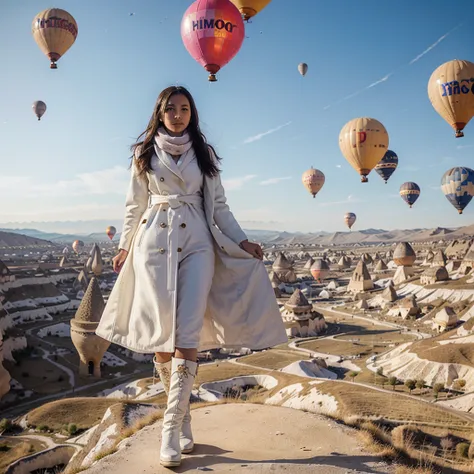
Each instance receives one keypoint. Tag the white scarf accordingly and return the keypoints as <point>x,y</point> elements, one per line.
<point>173,145</point>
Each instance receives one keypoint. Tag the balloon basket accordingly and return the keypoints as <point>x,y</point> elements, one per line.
<point>459,134</point>
<point>364,179</point>
<point>212,78</point>
<point>53,66</point>
<point>459,211</point>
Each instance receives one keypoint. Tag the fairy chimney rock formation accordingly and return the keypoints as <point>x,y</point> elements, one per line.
<point>284,269</point>
<point>381,266</point>
<point>439,260</point>
<point>91,348</point>
<point>309,263</point>
<point>344,262</point>
<point>97,264</point>
<point>390,294</point>
<point>360,280</point>
<point>305,322</point>
<point>404,255</point>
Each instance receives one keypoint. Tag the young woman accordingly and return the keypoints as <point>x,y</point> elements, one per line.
<point>189,279</point>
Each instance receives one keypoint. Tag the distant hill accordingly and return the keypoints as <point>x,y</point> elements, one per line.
<point>364,236</point>
<point>13,239</point>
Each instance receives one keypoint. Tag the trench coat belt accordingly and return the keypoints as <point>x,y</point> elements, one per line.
<point>175,201</point>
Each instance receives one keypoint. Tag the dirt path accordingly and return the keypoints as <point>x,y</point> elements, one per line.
<point>252,439</point>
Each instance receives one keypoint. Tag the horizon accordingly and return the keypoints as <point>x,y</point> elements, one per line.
<point>269,123</point>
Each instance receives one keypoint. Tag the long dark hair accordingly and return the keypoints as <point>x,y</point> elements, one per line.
<point>206,156</point>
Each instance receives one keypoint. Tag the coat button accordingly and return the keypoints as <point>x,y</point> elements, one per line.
<point>183,225</point>
<point>161,250</point>
<point>163,225</point>
<point>180,249</point>
<point>162,179</point>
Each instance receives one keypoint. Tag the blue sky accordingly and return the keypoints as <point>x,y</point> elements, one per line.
<point>368,58</point>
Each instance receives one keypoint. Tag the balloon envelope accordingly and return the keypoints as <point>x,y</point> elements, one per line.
<point>313,180</point>
<point>77,246</point>
<point>387,165</point>
<point>212,32</point>
<point>451,92</point>
<point>410,192</point>
<point>363,142</point>
<point>111,231</point>
<point>303,68</point>
<point>457,185</point>
<point>249,8</point>
<point>349,219</point>
<point>39,108</point>
<point>54,31</point>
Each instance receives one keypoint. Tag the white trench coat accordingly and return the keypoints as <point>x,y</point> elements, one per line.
<point>141,310</point>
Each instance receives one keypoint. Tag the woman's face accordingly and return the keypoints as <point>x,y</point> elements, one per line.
<point>177,114</point>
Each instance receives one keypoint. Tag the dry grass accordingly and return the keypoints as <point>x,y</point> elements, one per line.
<point>16,449</point>
<point>83,412</point>
<point>272,359</point>
<point>105,453</point>
<point>370,403</point>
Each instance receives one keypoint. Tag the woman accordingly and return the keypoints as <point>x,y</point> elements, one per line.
<point>189,278</point>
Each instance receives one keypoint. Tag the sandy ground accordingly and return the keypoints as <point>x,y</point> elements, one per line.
<point>248,438</point>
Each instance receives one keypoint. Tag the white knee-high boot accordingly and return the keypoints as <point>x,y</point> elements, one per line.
<point>186,440</point>
<point>182,377</point>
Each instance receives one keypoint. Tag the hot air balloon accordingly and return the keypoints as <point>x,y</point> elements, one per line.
<point>213,32</point>
<point>313,180</point>
<point>387,165</point>
<point>111,231</point>
<point>451,92</point>
<point>410,192</point>
<point>303,68</point>
<point>54,31</point>
<point>39,108</point>
<point>349,219</point>
<point>77,246</point>
<point>457,185</point>
<point>249,8</point>
<point>363,142</point>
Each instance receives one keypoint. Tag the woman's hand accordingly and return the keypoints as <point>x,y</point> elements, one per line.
<point>119,260</point>
<point>253,249</point>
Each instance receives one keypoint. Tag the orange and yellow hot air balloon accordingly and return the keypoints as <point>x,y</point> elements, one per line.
<point>249,8</point>
<point>451,92</point>
<point>363,142</point>
<point>313,180</point>
<point>77,246</point>
<point>54,31</point>
<point>111,231</point>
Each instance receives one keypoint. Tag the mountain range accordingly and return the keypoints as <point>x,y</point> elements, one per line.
<point>366,236</point>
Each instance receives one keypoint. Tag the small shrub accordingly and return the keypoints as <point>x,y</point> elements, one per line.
<point>437,388</point>
<point>43,428</point>
<point>447,443</point>
<point>410,384</point>
<point>5,424</point>
<point>462,450</point>
<point>393,381</point>
<point>4,448</point>
<point>353,374</point>
<point>72,429</point>
<point>380,371</point>
<point>420,384</point>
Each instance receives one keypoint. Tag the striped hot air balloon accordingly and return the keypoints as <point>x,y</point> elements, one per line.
<point>387,165</point>
<point>457,185</point>
<point>410,192</point>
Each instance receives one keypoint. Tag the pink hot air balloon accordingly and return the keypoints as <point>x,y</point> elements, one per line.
<point>213,32</point>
